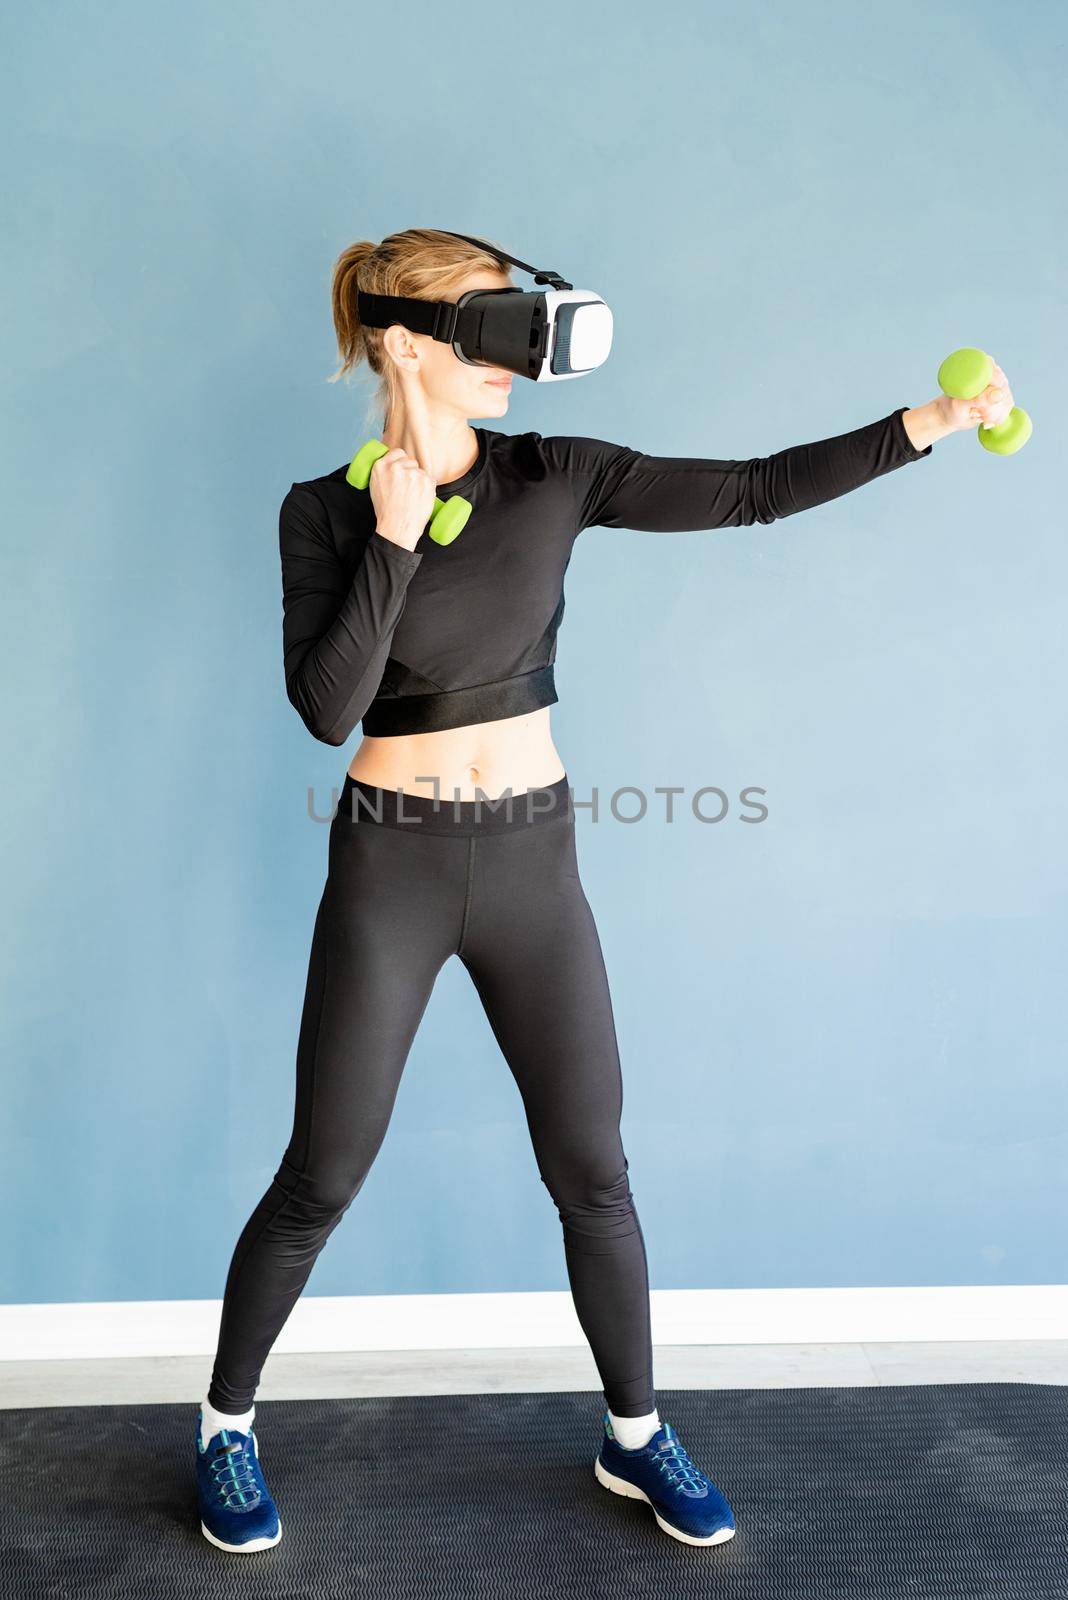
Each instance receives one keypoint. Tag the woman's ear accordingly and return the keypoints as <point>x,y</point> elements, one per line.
<point>399,342</point>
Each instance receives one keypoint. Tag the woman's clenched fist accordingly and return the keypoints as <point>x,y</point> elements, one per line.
<point>403,497</point>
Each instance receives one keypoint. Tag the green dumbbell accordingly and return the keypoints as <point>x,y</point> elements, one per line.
<point>448,516</point>
<point>965,374</point>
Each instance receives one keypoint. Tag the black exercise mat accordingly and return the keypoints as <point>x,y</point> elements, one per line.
<point>924,1491</point>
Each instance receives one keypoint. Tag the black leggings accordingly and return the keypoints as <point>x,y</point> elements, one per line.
<point>411,882</point>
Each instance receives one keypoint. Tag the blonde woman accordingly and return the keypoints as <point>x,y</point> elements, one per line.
<point>455,832</point>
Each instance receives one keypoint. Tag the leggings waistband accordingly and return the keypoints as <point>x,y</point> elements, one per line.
<point>364,802</point>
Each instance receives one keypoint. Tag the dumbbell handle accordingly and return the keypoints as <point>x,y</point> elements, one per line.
<point>448,516</point>
<point>966,373</point>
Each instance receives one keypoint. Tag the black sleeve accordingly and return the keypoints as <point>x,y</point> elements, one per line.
<point>336,629</point>
<point>617,487</point>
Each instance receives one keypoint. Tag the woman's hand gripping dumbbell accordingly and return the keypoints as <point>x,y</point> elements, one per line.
<point>403,496</point>
<point>975,389</point>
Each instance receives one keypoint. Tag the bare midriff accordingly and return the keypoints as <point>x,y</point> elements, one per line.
<point>490,759</point>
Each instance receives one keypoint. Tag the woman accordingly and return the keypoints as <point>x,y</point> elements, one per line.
<point>446,655</point>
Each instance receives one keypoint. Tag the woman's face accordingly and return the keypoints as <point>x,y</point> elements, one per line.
<point>447,382</point>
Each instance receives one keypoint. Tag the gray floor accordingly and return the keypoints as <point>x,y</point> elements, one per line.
<point>427,1372</point>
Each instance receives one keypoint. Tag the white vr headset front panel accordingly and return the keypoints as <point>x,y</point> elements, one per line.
<point>588,336</point>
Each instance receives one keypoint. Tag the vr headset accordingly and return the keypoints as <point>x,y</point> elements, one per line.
<point>548,334</point>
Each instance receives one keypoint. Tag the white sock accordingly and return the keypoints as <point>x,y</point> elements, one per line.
<point>212,1421</point>
<point>633,1433</point>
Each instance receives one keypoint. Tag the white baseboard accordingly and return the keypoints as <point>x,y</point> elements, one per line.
<point>510,1321</point>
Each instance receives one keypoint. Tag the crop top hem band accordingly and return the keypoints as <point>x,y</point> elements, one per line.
<point>391,715</point>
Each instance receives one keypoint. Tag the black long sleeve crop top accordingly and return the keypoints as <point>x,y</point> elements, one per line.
<point>412,641</point>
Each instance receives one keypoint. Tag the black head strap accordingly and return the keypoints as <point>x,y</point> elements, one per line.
<point>438,317</point>
<point>540,274</point>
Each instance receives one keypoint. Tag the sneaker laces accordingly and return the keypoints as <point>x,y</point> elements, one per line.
<point>672,1460</point>
<point>233,1473</point>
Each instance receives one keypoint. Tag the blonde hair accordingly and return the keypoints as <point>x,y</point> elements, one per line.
<point>420,264</point>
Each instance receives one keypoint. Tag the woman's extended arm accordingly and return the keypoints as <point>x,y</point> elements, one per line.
<point>336,630</point>
<point>617,487</point>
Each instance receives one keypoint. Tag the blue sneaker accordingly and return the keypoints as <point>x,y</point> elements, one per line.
<point>236,1510</point>
<point>685,1503</point>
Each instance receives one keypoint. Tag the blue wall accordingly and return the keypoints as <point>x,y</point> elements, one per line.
<point>842,1029</point>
